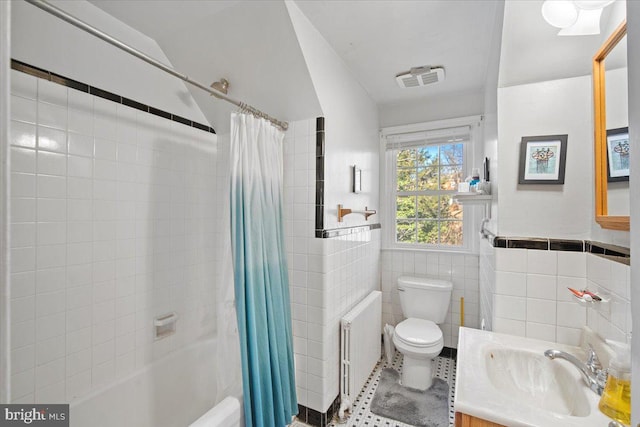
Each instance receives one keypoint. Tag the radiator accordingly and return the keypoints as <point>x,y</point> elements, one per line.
<point>359,347</point>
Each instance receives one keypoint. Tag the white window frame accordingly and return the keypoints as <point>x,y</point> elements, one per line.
<point>414,134</point>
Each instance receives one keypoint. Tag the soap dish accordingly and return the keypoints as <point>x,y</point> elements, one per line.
<point>592,300</point>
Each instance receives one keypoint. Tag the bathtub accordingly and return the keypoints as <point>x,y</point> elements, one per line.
<point>174,391</point>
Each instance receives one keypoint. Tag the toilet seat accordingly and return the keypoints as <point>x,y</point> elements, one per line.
<point>419,333</point>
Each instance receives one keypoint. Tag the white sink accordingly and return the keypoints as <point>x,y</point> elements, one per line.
<point>532,378</point>
<point>508,380</point>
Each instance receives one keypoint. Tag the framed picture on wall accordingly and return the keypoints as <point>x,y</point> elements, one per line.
<point>542,159</point>
<point>618,154</point>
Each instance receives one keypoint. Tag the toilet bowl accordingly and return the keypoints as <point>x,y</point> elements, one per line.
<point>424,302</point>
<point>419,341</point>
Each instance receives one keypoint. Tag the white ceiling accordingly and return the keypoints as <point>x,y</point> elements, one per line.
<point>532,51</point>
<point>160,19</point>
<point>253,45</point>
<point>379,39</point>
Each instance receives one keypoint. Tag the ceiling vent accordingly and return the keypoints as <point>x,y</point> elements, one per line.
<point>420,76</point>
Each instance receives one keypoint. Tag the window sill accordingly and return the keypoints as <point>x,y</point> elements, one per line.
<point>465,198</point>
<point>461,251</point>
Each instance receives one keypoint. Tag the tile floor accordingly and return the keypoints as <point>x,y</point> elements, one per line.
<point>361,415</point>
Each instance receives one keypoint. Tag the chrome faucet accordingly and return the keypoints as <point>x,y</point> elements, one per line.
<point>592,373</point>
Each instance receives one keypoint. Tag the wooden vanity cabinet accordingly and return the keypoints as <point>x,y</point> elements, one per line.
<point>464,420</point>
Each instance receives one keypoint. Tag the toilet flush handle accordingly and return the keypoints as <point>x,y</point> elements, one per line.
<point>401,289</point>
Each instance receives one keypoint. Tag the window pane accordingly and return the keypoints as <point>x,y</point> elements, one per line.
<point>450,176</point>
<point>428,207</point>
<point>406,179</point>
<point>407,158</point>
<point>406,207</point>
<point>432,219</point>
<point>406,232</point>
<point>451,154</point>
<point>427,156</point>
<point>451,233</point>
<point>449,209</point>
<point>428,178</point>
<point>428,232</point>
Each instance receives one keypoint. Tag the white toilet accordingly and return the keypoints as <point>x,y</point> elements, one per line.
<point>424,303</point>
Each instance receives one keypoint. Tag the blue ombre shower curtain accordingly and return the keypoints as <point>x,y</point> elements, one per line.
<point>260,272</point>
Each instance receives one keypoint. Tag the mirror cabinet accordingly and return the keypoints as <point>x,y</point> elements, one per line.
<point>609,60</point>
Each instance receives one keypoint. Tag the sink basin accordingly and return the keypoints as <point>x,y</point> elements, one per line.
<point>536,380</point>
<point>507,380</point>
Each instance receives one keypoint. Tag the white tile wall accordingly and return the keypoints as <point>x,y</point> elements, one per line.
<point>112,225</point>
<point>488,284</point>
<point>352,271</point>
<point>531,298</point>
<point>461,270</point>
<point>327,276</point>
<point>610,279</point>
<point>302,250</point>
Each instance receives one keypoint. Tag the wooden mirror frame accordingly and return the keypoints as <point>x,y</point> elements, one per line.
<point>600,134</point>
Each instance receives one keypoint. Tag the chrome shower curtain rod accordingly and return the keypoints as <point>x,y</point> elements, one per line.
<point>135,52</point>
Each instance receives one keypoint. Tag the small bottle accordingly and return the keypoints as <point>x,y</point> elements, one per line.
<point>616,397</point>
<point>475,180</point>
<point>475,176</point>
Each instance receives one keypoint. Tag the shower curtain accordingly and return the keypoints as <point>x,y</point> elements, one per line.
<point>260,272</point>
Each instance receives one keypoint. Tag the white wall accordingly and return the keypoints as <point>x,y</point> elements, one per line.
<point>5,102</point>
<point>113,215</point>
<point>42,40</point>
<point>454,105</point>
<point>553,107</point>
<point>490,126</point>
<point>350,271</point>
<point>299,208</point>
<point>487,277</point>
<point>351,125</point>
<point>633,44</point>
<point>327,276</point>
<point>546,108</point>
<point>531,297</point>
<point>559,211</point>
<point>251,43</point>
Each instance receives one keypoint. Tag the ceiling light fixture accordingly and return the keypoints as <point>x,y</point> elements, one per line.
<point>560,13</point>
<point>574,17</point>
<point>592,4</point>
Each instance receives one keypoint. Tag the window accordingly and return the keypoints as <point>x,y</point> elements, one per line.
<point>424,163</point>
<point>426,177</point>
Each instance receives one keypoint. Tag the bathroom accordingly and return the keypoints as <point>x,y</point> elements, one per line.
<point>116,220</point>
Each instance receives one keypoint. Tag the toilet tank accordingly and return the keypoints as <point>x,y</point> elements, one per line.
<point>424,297</point>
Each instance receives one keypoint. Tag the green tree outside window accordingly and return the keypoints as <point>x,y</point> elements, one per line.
<point>426,179</point>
